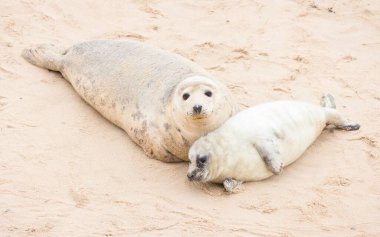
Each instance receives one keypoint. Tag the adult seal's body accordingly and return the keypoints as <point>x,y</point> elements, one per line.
<point>163,101</point>
<point>258,142</point>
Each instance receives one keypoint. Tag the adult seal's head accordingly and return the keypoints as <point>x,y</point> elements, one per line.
<point>200,104</point>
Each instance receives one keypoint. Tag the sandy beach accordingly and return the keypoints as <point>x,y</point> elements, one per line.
<point>67,171</point>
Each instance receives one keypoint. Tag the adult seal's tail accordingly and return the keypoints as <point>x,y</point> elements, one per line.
<point>258,142</point>
<point>162,100</point>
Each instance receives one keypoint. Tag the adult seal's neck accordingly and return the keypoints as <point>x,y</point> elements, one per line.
<point>192,129</point>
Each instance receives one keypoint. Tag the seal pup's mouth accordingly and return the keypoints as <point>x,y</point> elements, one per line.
<point>198,165</point>
<point>198,176</point>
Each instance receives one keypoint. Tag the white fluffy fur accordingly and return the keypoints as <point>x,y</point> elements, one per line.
<point>286,128</point>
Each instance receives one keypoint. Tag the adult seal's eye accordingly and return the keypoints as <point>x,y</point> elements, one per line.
<point>208,93</point>
<point>185,96</point>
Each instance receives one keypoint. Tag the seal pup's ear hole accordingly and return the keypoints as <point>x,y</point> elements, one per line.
<point>185,96</point>
<point>208,93</point>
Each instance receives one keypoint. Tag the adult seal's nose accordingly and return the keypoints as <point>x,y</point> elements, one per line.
<point>197,108</point>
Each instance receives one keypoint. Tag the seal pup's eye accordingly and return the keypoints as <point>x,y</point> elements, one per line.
<point>185,96</point>
<point>208,93</point>
<point>202,159</point>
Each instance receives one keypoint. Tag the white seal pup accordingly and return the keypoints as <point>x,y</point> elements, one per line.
<point>162,100</point>
<point>256,143</point>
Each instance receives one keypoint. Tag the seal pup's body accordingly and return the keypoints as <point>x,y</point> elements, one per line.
<point>256,143</point>
<point>142,89</point>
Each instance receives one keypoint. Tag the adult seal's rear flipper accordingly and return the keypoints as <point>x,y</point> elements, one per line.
<point>45,56</point>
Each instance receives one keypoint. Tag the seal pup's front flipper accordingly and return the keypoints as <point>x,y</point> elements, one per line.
<point>230,185</point>
<point>269,152</point>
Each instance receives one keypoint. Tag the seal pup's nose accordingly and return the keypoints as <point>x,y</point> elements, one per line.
<point>190,176</point>
<point>197,108</point>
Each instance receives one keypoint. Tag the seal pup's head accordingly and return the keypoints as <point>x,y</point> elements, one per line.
<point>201,104</point>
<point>204,156</point>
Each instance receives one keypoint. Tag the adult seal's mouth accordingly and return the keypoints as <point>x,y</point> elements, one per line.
<point>199,117</point>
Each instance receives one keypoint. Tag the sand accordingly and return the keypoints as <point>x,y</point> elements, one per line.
<point>66,171</point>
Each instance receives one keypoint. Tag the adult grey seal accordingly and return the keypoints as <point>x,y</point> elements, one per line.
<point>256,143</point>
<point>162,100</point>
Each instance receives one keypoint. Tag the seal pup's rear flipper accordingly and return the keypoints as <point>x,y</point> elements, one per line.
<point>333,117</point>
